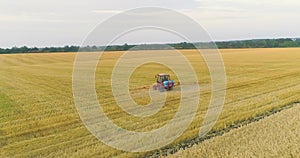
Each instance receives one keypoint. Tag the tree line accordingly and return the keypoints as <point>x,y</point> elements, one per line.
<point>256,43</point>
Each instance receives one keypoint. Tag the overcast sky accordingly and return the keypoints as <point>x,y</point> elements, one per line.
<point>67,22</point>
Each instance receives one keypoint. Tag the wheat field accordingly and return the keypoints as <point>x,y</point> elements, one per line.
<point>39,118</point>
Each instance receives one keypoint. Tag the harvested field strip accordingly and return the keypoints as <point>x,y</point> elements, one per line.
<point>190,143</point>
<point>274,136</point>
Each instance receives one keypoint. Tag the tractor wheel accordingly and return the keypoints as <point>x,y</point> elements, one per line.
<point>161,88</point>
<point>154,87</point>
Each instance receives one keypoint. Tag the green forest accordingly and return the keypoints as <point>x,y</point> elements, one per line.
<point>256,43</point>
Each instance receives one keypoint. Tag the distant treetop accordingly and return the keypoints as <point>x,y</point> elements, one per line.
<point>256,43</point>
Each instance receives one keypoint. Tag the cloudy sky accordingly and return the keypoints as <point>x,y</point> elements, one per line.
<point>67,22</point>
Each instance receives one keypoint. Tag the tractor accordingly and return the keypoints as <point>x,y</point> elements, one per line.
<point>163,82</point>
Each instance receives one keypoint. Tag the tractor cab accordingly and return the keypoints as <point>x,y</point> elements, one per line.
<point>162,77</point>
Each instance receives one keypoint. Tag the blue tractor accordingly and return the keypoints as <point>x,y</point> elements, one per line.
<point>163,82</point>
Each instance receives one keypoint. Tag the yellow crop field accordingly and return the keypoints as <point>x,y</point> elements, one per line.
<point>38,116</point>
<point>275,136</point>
